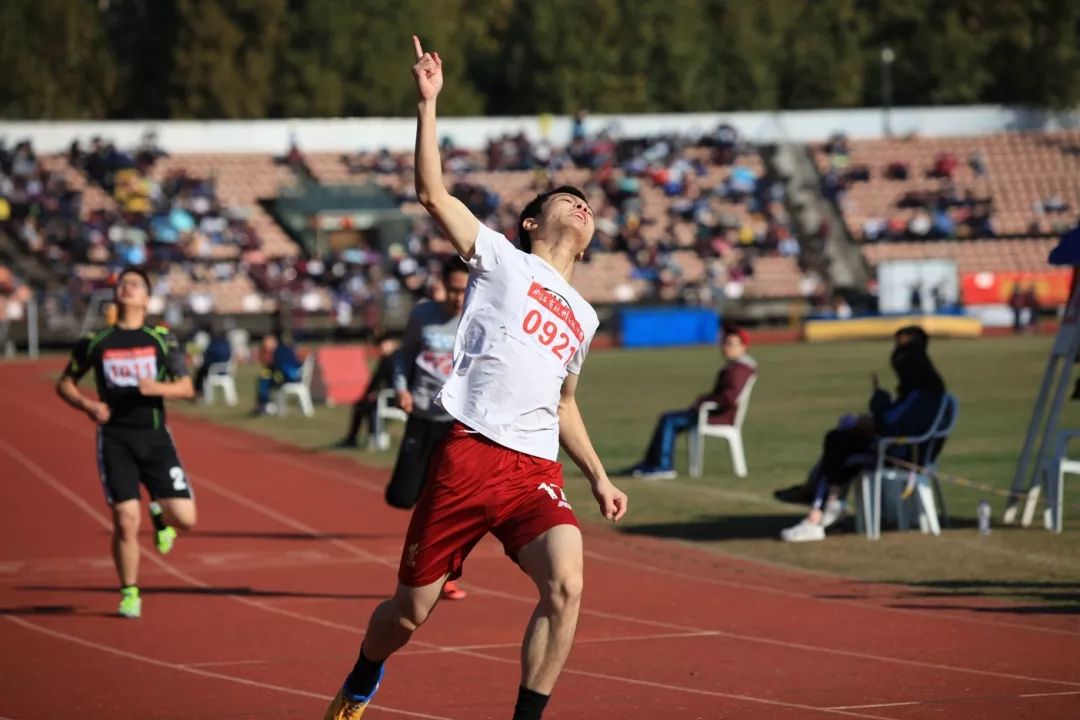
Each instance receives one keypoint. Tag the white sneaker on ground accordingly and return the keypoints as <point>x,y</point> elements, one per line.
<point>656,474</point>
<point>834,510</point>
<point>805,531</point>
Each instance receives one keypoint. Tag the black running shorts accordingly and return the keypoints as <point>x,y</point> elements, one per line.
<point>127,457</point>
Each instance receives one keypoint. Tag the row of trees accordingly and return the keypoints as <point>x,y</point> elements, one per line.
<point>318,58</point>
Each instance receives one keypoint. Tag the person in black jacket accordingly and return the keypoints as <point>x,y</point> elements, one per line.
<point>366,405</point>
<point>849,447</point>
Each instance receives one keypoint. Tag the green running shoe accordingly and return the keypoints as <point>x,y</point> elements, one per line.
<point>164,539</point>
<point>130,603</point>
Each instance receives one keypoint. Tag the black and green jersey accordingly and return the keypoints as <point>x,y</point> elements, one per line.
<point>120,359</point>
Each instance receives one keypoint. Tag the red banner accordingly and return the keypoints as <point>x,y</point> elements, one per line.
<point>995,288</point>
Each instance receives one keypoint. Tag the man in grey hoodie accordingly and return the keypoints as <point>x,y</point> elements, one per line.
<point>423,365</point>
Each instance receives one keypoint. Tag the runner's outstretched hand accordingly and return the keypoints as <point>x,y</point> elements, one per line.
<point>427,71</point>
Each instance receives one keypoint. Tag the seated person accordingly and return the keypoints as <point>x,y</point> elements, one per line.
<point>366,405</point>
<point>281,364</point>
<point>659,463</point>
<point>218,351</point>
<point>849,448</point>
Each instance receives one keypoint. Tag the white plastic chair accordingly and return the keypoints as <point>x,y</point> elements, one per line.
<point>731,433</point>
<point>1054,518</point>
<point>926,495</point>
<point>386,411</point>
<point>240,342</point>
<point>221,375</point>
<point>299,390</point>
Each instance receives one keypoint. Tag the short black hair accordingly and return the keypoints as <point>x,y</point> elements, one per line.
<point>386,334</point>
<point>915,334</point>
<point>133,270</point>
<point>535,206</point>
<point>453,265</point>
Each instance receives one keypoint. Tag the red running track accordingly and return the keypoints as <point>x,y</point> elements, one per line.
<point>259,612</point>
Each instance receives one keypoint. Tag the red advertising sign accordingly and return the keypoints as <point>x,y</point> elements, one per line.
<point>995,288</point>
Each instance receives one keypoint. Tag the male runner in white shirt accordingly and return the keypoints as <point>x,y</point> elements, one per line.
<point>520,345</point>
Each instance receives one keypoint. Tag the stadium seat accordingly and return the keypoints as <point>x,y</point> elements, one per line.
<point>240,343</point>
<point>299,390</point>
<point>221,376</point>
<point>906,487</point>
<point>731,433</point>
<point>1054,478</point>
<point>386,411</point>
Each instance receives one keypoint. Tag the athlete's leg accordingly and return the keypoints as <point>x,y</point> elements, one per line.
<point>179,512</point>
<point>389,629</point>
<point>396,619</point>
<point>164,477</point>
<point>554,562</point>
<point>125,541</point>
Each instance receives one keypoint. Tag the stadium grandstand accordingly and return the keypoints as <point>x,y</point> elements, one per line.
<point>708,219</point>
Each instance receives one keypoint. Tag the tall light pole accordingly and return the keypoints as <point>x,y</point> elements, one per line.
<point>887,58</point>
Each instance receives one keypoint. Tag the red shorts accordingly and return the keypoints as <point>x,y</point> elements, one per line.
<point>476,486</point>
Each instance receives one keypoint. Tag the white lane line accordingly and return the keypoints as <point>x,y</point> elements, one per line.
<point>577,641</point>
<point>1057,694</point>
<point>878,705</point>
<point>225,663</point>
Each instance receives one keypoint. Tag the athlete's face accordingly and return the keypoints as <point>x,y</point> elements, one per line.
<point>569,212</point>
<point>455,291</point>
<point>131,291</point>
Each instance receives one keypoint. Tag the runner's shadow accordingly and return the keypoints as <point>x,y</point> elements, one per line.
<point>40,610</point>
<point>239,591</point>
<point>1002,610</point>
<point>1060,594</point>
<point>718,527</point>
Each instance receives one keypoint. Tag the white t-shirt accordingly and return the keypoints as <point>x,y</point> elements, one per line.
<point>523,329</point>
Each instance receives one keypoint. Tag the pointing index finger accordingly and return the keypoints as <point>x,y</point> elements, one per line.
<point>417,47</point>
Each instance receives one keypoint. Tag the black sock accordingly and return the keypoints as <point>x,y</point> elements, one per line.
<point>364,677</point>
<point>530,704</point>
<point>157,517</point>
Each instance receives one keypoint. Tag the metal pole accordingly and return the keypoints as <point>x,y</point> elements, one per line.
<point>887,58</point>
<point>32,327</point>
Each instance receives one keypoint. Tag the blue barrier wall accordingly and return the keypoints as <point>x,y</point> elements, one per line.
<point>662,327</point>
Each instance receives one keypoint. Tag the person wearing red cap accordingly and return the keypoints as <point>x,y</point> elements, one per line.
<point>659,462</point>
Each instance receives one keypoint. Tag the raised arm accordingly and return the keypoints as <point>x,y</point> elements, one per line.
<point>455,219</point>
<point>405,360</point>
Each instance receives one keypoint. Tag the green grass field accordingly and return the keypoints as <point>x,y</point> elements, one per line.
<point>801,391</point>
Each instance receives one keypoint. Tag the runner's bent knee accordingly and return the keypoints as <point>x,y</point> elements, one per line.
<point>564,590</point>
<point>181,514</point>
